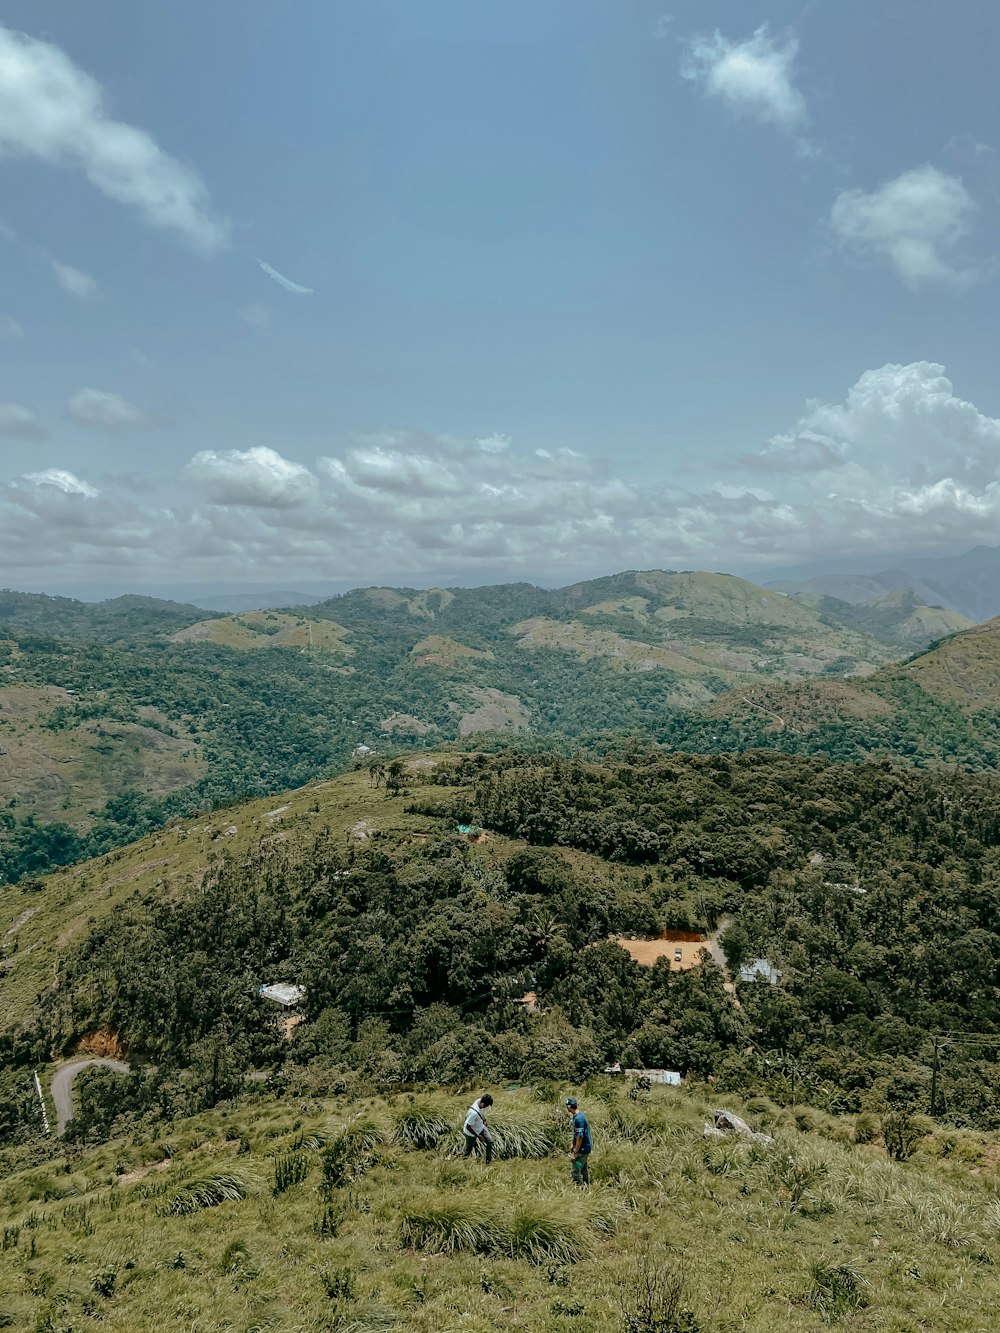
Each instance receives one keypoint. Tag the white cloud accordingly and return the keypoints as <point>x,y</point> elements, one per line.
<point>282,281</point>
<point>55,112</point>
<point>10,328</point>
<point>62,481</point>
<point>109,411</point>
<point>916,222</point>
<point>753,78</point>
<point>900,462</point>
<point>18,422</point>
<point>257,477</point>
<point>80,285</point>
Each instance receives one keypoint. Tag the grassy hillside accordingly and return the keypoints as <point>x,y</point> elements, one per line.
<point>867,887</point>
<point>336,1219</point>
<point>267,629</point>
<point>964,670</point>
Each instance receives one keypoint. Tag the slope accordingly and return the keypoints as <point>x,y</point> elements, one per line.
<point>322,1213</point>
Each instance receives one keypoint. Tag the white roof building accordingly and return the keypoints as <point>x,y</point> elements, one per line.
<point>284,993</point>
<point>760,967</point>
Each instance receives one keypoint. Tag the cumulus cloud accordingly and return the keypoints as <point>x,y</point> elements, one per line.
<point>18,422</point>
<point>108,411</point>
<point>753,78</point>
<point>257,477</point>
<point>904,421</point>
<point>62,481</point>
<point>54,112</point>
<point>916,222</point>
<point>901,461</point>
<point>80,285</point>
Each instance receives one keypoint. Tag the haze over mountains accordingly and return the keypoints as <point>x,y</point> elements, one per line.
<point>968,583</point>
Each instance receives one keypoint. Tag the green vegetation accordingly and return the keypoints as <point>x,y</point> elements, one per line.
<point>868,888</point>
<point>118,717</point>
<point>181,1228</point>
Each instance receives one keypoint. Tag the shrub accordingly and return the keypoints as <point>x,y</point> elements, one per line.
<point>837,1290</point>
<point>901,1134</point>
<point>867,1127</point>
<point>654,1298</point>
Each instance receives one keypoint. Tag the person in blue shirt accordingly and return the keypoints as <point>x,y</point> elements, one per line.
<point>579,1153</point>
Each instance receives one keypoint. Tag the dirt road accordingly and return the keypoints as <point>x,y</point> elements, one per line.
<point>62,1086</point>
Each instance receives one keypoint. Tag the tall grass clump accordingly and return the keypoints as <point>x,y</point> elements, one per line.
<point>420,1126</point>
<point>450,1228</point>
<point>838,1290</point>
<point>351,1152</point>
<point>290,1168</point>
<point>207,1192</point>
<point>515,1137</point>
<point>542,1236</point>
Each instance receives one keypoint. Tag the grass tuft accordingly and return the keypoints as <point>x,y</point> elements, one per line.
<point>420,1126</point>
<point>208,1192</point>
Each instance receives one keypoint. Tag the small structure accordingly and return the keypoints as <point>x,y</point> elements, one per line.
<point>760,967</point>
<point>285,993</point>
<point>667,1077</point>
<point>472,832</point>
<point>529,1002</point>
<point>362,751</point>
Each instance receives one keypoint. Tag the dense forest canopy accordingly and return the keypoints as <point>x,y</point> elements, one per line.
<point>871,890</point>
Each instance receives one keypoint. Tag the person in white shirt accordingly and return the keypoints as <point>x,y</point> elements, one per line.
<point>476,1129</point>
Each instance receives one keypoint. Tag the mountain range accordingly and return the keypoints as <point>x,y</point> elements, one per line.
<point>968,583</point>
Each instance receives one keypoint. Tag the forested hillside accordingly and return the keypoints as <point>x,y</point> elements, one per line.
<point>869,889</point>
<point>123,715</point>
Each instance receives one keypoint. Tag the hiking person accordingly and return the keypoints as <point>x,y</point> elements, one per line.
<point>579,1154</point>
<point>476,1129</point>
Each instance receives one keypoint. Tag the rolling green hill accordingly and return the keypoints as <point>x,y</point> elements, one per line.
<point>122,715</point>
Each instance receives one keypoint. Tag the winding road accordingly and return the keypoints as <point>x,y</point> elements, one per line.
<point>62,1086</point>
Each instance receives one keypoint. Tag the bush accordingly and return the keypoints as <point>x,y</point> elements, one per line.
<point>654,1298</point>
<point>867,1127</point>
<point>901,1134</point>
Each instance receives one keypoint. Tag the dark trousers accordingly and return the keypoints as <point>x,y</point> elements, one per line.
<point>581,1169</point>
<point>472,1141</point>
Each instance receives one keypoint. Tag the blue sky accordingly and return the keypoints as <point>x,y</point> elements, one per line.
<point>590,286</point>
